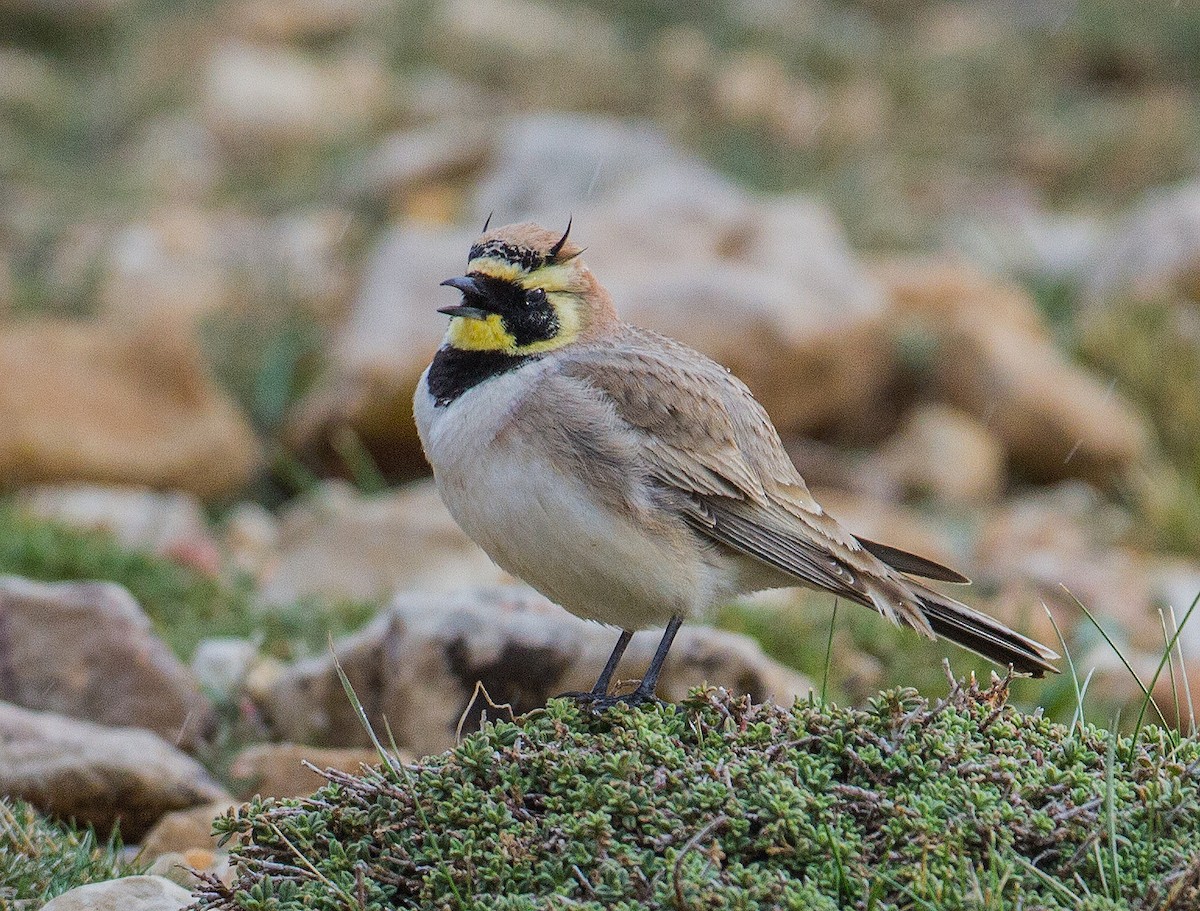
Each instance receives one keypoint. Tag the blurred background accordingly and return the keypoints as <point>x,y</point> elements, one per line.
<point>954,248</point>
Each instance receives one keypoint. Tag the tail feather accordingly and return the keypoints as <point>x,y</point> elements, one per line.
<point>983,635</point>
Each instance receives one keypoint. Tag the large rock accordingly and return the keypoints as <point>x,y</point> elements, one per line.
<point>417,667</point>
<point>133,893</point>
<point>768,287</point>
<point>86,402</point>
<point>341,544</point>
<point>97,775</point>
<point>87,650</point>
<point>1152,250</point>
<point>279,770</point>
<point>992,356</point>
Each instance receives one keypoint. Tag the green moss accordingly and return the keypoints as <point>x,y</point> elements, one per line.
<point>41,859</point>
<point>962,804</point>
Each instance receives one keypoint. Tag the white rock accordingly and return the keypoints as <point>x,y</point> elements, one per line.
<point>133,893</point>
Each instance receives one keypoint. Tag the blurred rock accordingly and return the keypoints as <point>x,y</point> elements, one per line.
<point>178,266</point>
<point>1064,544</point>
<point>1152,250</point>
<point>166,523</point>
<point>278,770</point>
<point>946,454</point>
<point>179,158</point>
<point>130,893</point>
<point>184,830</point>
<point>86,402</point>
<point>993,357</point>
<point>341,544</point>
<point>97,775</point>
<point>755,89</point>
<point>417,666</point>
<point>390,337</point>
<point>87,650</point>
<point>251,539</point>
<point>259,97</point>
<point>409,161</point>
<point>221,665</point>
<point>303,20</point>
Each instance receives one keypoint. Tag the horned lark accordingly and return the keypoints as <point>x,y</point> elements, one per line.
<point>631,479</point>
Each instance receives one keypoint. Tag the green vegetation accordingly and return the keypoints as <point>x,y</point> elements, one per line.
<point>184,604</point>
<point>41,859</point>
<point>962,804</point>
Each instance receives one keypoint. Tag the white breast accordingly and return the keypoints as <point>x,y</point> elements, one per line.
<point>542,525</point>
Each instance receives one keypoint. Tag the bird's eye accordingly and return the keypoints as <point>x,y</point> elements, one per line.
<point>535,296</point>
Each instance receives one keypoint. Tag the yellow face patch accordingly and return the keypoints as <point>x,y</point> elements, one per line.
<point>490,333</point>
<point>481,334</point>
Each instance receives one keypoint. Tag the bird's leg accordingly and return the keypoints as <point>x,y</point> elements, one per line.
<point>645,690</point>
<point>601,688</point>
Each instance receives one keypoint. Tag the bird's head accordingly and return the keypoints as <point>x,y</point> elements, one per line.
<point>526,291</point>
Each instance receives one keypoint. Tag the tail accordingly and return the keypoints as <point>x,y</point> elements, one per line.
<point>983,635</point>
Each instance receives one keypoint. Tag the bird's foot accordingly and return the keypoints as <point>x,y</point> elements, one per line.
<point>602,702</point>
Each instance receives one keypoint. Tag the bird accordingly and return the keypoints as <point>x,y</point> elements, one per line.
<point>632,480</point>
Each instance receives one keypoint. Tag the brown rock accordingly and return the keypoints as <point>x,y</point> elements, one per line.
<point>947,454</point>
<point>417,667</point>
<point>83,402</point>
<point>994,359</point>
<point>278,770</point>
<point>87,650</point>
<point>97,775</point>
<point>184,830</point>
<point>342,544</point>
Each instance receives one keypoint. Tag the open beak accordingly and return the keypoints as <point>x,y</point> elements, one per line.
<point>468,286</point>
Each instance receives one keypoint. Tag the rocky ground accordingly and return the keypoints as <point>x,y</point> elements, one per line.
<point>954,252</point>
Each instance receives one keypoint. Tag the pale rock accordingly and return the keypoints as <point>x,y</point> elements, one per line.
<point>131,893</point>
<point>769,287</point>
<point>87,650</point>
<point>279,770</point>
<point>180,158</point>
<point>250,537</point>
<point>221,665</point>
<point>137,517</point>
<point>1065,545</point>
<point>391,335</point>
<point>418,665</point>
<point>260,97</point>
<point>97,775</point>
<point>94,403</point>
<point>341,544</point>
<point>179,266</point>
<point>1152,250</point>
<point>945,453</point>
<point>993,357</point>
<point>181,831</point>
<point>409,161</point>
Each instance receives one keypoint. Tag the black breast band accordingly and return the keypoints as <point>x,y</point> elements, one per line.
<point>454,370</point>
